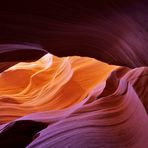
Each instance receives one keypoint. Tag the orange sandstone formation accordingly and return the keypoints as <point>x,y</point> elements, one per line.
<point>50,83</point>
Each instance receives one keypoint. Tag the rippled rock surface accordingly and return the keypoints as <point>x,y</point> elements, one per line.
<point>73,74</point>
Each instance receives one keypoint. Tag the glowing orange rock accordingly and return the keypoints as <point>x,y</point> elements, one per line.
<point>51,83</point>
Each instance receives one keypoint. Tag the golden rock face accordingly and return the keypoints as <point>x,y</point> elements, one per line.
<point>50,83</point>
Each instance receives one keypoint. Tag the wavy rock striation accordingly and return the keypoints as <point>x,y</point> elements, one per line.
<point>73,102</point>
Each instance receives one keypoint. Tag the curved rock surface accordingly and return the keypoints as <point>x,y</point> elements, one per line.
<point>54,90</point>
<point>113,31</point>
<point>73,102</point>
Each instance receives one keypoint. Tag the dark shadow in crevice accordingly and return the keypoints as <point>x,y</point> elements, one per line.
<point>20,133</point>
